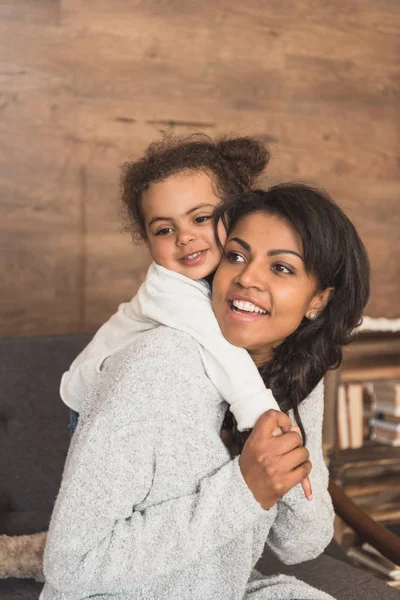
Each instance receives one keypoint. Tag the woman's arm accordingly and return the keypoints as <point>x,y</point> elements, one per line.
<point>303,528</point>
<point>100,539</point>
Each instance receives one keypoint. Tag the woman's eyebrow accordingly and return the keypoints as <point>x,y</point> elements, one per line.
<point>274,252</point>
<point>281,251</point>
<point>244,244</point>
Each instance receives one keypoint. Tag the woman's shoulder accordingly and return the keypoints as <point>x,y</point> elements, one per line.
<point>162,344</point>
<point>143,375</point>
<point>158,350</point>
<point>313,406</point>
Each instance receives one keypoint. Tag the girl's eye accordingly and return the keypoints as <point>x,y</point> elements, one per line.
<point>202,219</point>
<point>280,268</point>
<point>164,231</point>
<point>234,257</point>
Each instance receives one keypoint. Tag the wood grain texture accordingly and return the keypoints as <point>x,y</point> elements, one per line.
<point>85,86</point>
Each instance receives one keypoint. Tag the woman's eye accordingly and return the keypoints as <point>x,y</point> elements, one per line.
<point>234,257</point>
<point>280,268</point>
<point>202,219</point>
<point>164,231</point>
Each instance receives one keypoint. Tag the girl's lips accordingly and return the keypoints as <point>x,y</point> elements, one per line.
<point>191,262</point>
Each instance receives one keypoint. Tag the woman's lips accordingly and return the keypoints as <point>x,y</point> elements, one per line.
<point>194,259</point>
<point>244,316</point>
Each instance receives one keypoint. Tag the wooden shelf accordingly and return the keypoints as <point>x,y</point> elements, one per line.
<point>371,357</point>
<point>367,494</point>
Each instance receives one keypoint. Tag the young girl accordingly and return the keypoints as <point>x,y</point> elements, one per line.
<point>171,194</point>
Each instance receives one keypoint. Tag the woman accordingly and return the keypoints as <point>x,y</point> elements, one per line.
<point>152,505</point>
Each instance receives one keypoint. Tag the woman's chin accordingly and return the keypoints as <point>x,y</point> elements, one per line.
<point>237,337</point>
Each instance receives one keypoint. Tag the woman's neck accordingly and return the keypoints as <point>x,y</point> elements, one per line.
<point>261,357</point>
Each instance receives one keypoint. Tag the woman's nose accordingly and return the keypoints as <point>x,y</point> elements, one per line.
<point>252,276</point>
<point>185,236</point>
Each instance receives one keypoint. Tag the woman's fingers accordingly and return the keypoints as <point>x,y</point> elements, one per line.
<point>284,444</point>
<point>299,474</point>
<point>291,460</point>
<point>268,423</point>
<point>306,483</point>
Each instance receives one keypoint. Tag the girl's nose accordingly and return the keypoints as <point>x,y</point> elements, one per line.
<point>185,236</point>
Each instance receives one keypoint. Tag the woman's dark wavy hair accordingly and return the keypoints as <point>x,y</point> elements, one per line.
<point>335,255</point>
<point>233,162</point>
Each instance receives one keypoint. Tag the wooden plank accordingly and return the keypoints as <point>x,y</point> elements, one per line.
<point>114,272</point>
<point>85,86</point>
<point>46,12</point>
<point>371,371</point>
<point>41,283</point>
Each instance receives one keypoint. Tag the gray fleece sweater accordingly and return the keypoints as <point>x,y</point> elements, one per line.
<point>152,507</point>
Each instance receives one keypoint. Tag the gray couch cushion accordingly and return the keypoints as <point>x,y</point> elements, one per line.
<point>341,580</point>
<point>33,428</point>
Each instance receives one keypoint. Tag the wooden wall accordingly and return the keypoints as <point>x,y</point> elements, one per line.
<point>87,84</point>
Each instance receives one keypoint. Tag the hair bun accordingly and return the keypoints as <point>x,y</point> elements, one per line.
<point>249,156</point>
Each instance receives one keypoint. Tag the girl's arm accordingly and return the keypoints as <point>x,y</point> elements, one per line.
<point>303,528</point>
<point>100,537</point>
<point>115,334</point>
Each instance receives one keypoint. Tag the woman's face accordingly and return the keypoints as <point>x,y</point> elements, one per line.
<point>261,290</point>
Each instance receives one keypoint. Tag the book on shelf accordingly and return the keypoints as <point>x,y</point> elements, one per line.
<point>388,418</point>
<point>385,432</point>
<point>351,415</point>
<point>343,419</point>
<point>369,557</point>
<point>387,408</point>
<point>387,397</point>
<point>355,394</point>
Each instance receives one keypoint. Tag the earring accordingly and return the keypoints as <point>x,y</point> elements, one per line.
<point>312,316</point>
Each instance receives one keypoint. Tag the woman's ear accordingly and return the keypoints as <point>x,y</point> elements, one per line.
<point>318,302</point>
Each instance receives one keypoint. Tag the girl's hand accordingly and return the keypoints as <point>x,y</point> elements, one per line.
<point>271,465</point>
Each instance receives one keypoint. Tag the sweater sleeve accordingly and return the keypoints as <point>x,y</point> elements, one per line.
<point>303,528</point>
<point>176,301</point>
<point>100,538</point>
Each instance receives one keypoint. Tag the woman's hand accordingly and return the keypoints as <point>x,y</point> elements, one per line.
<point>272,465</point>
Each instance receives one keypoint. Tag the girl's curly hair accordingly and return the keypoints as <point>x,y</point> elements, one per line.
<point>234,164</point>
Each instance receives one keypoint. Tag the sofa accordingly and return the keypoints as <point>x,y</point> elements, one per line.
<point>33,445</point>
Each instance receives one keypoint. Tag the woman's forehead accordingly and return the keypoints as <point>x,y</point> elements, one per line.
<point>262,229</point>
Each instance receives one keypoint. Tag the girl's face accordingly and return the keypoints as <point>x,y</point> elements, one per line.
<point>178,214</point>
<point>261,290</point>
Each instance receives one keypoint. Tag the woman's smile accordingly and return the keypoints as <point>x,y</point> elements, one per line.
<point>245,308</point>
